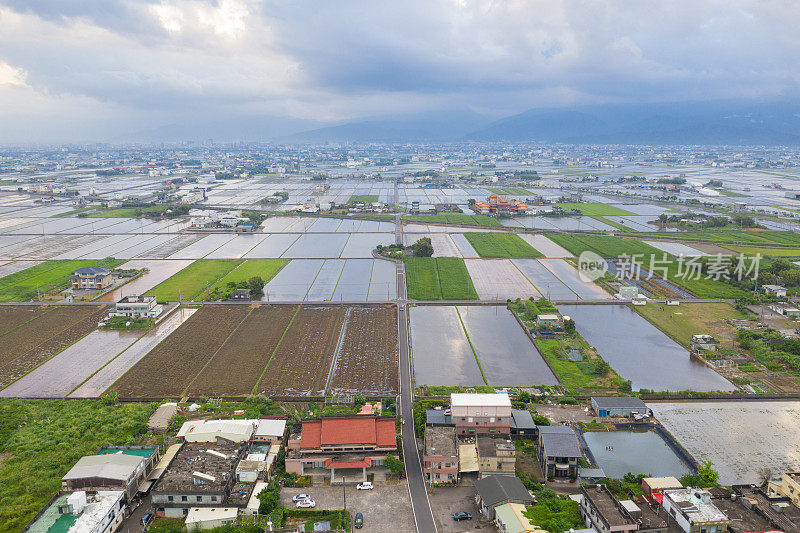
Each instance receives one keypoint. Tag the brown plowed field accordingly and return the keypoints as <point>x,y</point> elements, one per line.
<point>237,366</point>
<point>169,368</point>
<point>301,364</point>
<point>14,316</point>
<point>44,334</point>
<point>367,359</point>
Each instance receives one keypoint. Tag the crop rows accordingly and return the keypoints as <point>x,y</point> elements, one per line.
<point>301,364</point>
<point>440,278</point>
<point>367,360</point>
<point>604,246</point>
<point>35,341</point>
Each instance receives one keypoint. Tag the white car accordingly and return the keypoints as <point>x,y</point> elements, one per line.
<point>301,497</point>
<point>366,485</point>
<point>306,503</point>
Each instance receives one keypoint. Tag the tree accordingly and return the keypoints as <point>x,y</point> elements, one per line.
<point>569,326</point>
<point>422,248</point>
<point>270,497</point>
<point>256,285</point>
<point>764,474</point>
<point>627,386</point>
<point>704,478</point>
<point>359,401</point>
<point>394,464</point>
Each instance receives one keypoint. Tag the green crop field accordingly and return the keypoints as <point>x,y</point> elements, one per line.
<point>40,440</point>
<point>440,278</point>
<point>775,252</point>
<point>50,277</point>
<point>606,246</point>
<point>193,280</point>
<point>595,209</point>
<point>263,268</point>
<point>723,237</point>
<point>363,198</point>
<point>126,212</point>
<point>602,245</point>
<point>518,191</point>
<point>501,245</point>
<point>456,218</point>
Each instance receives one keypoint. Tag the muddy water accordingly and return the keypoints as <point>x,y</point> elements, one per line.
<point>159,270</point>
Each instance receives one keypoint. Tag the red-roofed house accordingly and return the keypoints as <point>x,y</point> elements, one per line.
<point>342,448</point>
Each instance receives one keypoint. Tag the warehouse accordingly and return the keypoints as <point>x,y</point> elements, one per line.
<point>618,406</point>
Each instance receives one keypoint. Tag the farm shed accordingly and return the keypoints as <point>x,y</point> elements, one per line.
<point>211,430</point>
<point>618,406</point>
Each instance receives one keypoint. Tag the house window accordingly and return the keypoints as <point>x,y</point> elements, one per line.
<point>470,419</point>
<point>491,419</point>
<point>199,498</point>
<point>213,498</point>
<point>184,498</point>
<point>170,498</point>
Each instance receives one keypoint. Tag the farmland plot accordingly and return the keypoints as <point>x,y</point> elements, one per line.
<point>499,279</point>
<point>545,245</point>
<point>441,352</point>
<point>169,368</point>
<point>158,271</point>
<point>107,375</point>
<point>58,376</point>
<point>239,363</point>
<point>367,359</point>
<point>586,290</point>
<point>12,317</point>
<point>37,340</point>
<point>301,364</point>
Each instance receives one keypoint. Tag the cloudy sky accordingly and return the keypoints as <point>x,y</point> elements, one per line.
<point>93,69</point>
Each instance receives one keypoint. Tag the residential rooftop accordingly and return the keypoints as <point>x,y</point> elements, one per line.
<point>696,505</point>
<point>201,468</point>
<point>604,502</point>
<point>482,399</point>
<point>559,441</point>
<point>440,440</point>
<point>490,446</point>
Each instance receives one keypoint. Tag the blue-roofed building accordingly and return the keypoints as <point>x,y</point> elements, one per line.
<point>559,452</point>
<point>91,278</point>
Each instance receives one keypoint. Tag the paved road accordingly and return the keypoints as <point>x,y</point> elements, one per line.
<point>420,505</point>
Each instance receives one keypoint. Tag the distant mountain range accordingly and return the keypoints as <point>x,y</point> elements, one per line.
<point>731,123</point>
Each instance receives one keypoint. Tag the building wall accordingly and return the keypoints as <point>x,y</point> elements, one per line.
<point>440,468</point>
<point>788,487</point>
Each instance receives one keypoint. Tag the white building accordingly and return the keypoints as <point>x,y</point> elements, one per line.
<point>210,517</point>
<point>138,307</point>
<point>693,511</point>
<point>210,430</point>
<point>776,290</point>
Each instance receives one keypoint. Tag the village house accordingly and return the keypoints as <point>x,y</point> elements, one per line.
<point>475,414</point>
<point>91,278</point>
<point>138,307</point>
<point>704,342</point>
<point>494,491</point>
<point>694,512</point>
<point>559,452</point>
<point>626,406</point>
<point>440,458</point>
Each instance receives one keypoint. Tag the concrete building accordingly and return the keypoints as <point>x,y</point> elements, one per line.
<point>548,321</point>
<point>217,430</point>
<point>203,518</point>
<point>602,512</point>
<point>475,414</point>
<point>270,430</point>
<point>440,459</point>
<point>494,491</point>
<point>618,406</point>
<point>496,456</point>
<point>789,487</point>
<point>81,512</point>
<point>91,278</point>
<point>241,294</point>
<point>201,474</point>
<point>122,468</point>
<point>704,342</point>
<point>693,511</point>
<point>775,290</point>
<point>138,307</point>
<point>348,447</point>
<point>508,518</point>
<point>559,452</point>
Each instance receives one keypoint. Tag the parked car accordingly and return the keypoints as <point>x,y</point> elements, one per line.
<point>147,518</point>
<point>366,485</point>
<point>461,515</point>
<point>301,497</point>
<point>358,523</point>
<point>306,504</point>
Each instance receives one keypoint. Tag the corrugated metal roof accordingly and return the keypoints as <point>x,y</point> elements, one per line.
<point>114,466</point>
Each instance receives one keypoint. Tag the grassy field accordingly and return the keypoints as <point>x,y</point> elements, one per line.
<point>683,321</point>
<point>501,245</point>
<point>723,237</point>
<point>51,277</point>
<point>440,278</point>
<point>775,252</point>
<point>456,218</point>
<point>518,191</point>
<point>363,198</point>
<point>604,246</point>
<point>263,268</point>
<point>193,280</point>
<point>40,440</point>
<point>576,375</point>
<point>595,209</point>
<point>126,212</point>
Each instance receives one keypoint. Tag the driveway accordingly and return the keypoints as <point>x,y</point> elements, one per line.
<point>385,508</point>
<point>447,500</point>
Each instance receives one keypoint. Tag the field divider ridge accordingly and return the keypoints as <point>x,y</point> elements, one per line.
<point>344,265</point>
<point>26,322</point>
<point>233,331</point>
<point>339,342</point>
<point>205,293</point>
<point>474,353</point>
<point>271,357</point>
